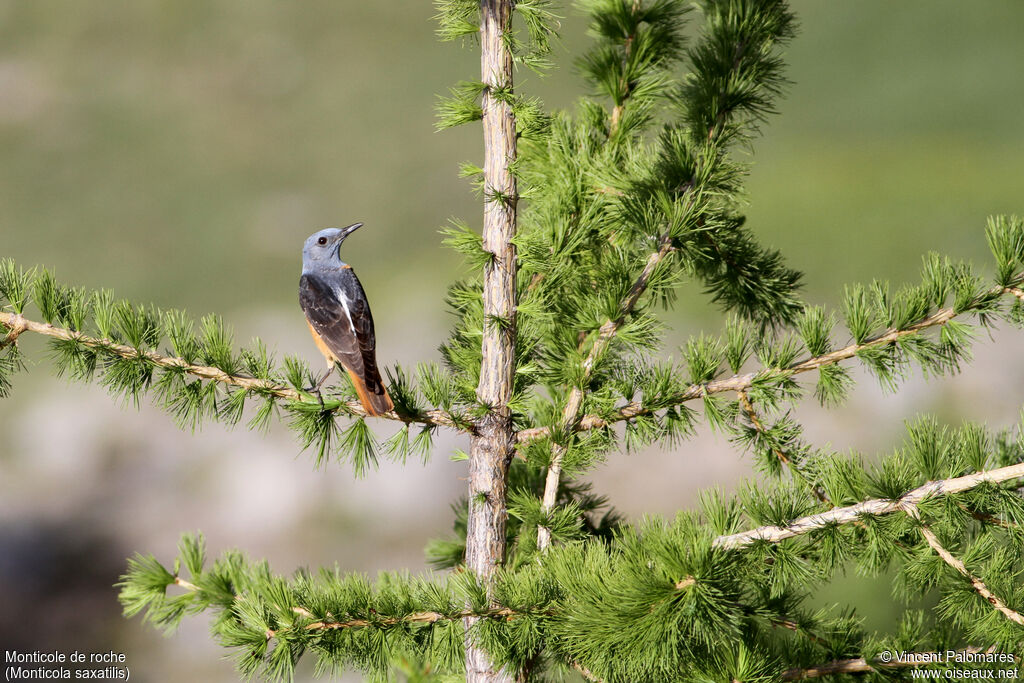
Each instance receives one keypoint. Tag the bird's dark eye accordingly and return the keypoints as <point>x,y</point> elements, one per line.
<point>322,240</point>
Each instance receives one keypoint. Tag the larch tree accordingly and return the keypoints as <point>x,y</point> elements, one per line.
<point>592,218</point>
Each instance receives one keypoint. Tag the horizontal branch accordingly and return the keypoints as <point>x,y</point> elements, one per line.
<point>427,617</point>
<point>835,667</point>
<point>878,506</point>
<point>414,618</point>
<point>739,383</point>
<point>18,324</point>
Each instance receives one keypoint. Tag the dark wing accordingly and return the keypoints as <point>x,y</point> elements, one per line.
<point>335,305</point>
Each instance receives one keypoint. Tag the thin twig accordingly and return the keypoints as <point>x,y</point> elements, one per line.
<point>738,383</point>
<point>19,324</point>
<point>755,421</point>
<point>878,506</point>
<point>685,583</point>
<point>187,585</point>
<point>585,672</point>
<point>794,626</point>
<point>570,414</point>
<point>986,518</point>
<point>957,564</point>
<point>748,409</point>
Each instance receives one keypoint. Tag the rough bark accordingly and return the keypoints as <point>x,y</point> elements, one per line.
<point>875,506</point>
<point>493,444</point>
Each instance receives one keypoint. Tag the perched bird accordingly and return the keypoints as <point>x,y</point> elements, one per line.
<point>339,316</point>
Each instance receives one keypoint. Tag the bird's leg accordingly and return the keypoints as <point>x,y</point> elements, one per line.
<point>316,387</point>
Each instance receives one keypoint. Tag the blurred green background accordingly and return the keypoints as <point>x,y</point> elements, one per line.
<point>180,151</point>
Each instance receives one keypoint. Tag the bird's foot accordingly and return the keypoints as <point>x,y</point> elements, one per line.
<point>315,389</point>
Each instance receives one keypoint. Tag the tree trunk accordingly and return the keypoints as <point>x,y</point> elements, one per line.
<point>492,446</point>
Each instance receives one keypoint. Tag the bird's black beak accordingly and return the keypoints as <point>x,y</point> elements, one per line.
<point>345,232</point>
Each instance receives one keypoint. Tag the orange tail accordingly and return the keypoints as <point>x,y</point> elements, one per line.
<point>373,404</point>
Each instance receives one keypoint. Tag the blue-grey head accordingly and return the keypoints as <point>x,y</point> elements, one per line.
<point>321,248</point>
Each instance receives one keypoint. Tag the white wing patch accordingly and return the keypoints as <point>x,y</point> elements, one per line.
<point>344,304</point>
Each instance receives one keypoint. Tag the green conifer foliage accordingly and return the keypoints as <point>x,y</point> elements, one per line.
<point>621,199</point>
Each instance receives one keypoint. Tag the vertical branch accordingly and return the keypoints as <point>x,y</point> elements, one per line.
<point>623,81</point>
<point>492,446</point>
<point>570,415</point>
